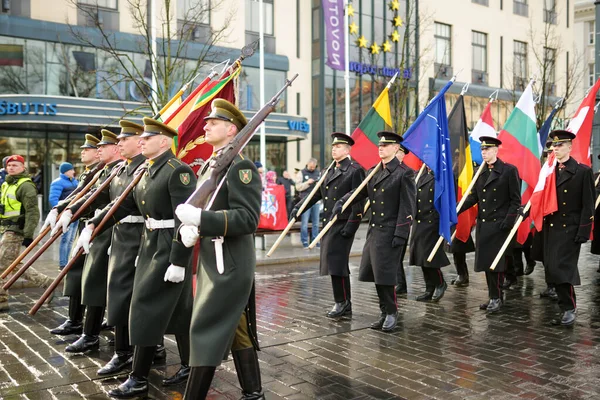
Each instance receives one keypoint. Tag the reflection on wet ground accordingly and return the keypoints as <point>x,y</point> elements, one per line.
<point>448,350</point>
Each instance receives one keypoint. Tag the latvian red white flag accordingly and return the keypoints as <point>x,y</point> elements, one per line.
<point>543,199</point>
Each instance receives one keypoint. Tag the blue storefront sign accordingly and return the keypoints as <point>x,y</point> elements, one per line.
<point>299,126</point>
<point>363,68</point>
<point>35,108</point>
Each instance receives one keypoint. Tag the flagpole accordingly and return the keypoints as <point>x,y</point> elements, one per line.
<point>263,144</point>
<point>153,46</point>
<point>512,233</point>
<point>175,98</point>
<point>347,68</point>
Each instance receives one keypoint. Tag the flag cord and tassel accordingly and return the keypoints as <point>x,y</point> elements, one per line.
<point>514,230</point>
<point>460,204</point>
<point>346,205</point>
<point>300,210</point>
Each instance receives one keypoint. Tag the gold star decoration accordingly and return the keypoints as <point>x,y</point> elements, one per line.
<point>395,36</point>
<point>350,10</point>
<point>353,28</point>
<point>375,48</point>
<point>398,21</point>
<point>386,46</point>
<point>394,5</point>
<point>362,42</point>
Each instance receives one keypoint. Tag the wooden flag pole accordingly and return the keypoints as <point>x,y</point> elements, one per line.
<point>346,205</point>
<point>300,210</point>
<point>512,233</point>
<point>460,204</point>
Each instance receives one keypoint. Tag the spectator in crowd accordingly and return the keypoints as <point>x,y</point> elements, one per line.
<point>60,188</point>
<point>305,182</point>
<point>3,170</point>
<point>288,184</point>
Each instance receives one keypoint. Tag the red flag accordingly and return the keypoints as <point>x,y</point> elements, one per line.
<point>543,200</point>
<point>412,161</point>
<point>581,126</point>
<point>273,213</point>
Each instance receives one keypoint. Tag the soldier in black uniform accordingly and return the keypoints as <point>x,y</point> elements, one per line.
<point>498,197</point>
<point>566,229</point>
<point>424,236</point>
<point>347,175</point>
<point>124,247</point>
<point>72,285</point>
<point>401,286</point>
<point>392,194</point>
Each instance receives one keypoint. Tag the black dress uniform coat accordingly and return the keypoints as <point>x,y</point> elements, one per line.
<point>335,247</point>
<point>124,247</point>
<point>458,246</point>
<point>425,229</point>
<point>595,248</point>
<point>575,196</point>
<point>498,195</point>
<point>72,285</point>
<point>222,298</point>
<point>159,307</point>
<point>392,194</point>
<point>94,273</point>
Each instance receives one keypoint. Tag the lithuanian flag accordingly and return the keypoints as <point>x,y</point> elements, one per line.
<point>11,54</point>
<point>379,118</point>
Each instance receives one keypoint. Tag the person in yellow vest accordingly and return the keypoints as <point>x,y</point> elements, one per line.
<point>19,216</point>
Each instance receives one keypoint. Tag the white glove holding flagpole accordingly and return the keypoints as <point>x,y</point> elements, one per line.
<point>84,241</point>
<point>189,235</point>
<point>188,214</point>
<point>50,219</point>
<point>175,274</point>
<point>63,222</point>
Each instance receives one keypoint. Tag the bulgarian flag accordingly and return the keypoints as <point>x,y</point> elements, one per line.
<point>191,148</point>
<point>379,118</point>
<point>521,147</point>
<point>581,126</point>
<point>543,199</point>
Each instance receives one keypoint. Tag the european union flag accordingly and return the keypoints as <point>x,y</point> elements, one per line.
<point>428,138</point>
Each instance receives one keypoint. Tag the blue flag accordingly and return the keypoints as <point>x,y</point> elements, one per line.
<point>428,138</point>
<point>545,129</point>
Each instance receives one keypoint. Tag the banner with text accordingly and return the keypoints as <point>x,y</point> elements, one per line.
<point>333,12</point>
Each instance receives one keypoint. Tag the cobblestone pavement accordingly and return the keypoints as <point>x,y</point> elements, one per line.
<point>449,350</point>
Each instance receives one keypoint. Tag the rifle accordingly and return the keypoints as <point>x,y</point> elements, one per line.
<point>204,194</point>
<point>139,173</point>
<point>75,195</point>
<point>76,216</point>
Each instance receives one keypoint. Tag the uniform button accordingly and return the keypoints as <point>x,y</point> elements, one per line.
<point>372,224</point>
<point>483,220</point>
<point>418,221</point>
<point>564,226</point>
<point>335,187</point>
<point>564,204</point>
<point>383,190</point>
<point>381,226</point>
<point>382,214</point>
<point>382,202</point>
<point>431,201</point>
<point>324,209</point>
<point>419,211</point>
<point>143,202</point>
<point>494,219</point>
<point>326,187</point>
<point>483,200</point>
<point>551,224</point>
<point>374,189</point>
<point>483,210</point>
<point>419,200</point>
<point>419,190</point>
<point>564,215</point>
<point>494,190</point>
<point>431,190</point>
<point>324,219</point>
<point>373,212</point>
<point>334,198</point>
<point>483,190</point>
<point>326,198</point>
<point>565,190</point>
<point>429,221</point>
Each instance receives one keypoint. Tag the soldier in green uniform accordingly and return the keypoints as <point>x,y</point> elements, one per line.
<point>161,301</point>
<point>72,286</point>
<point>94,273</point>
<point>125,243</point>
<point>19,216</point>
<point>224,316</point>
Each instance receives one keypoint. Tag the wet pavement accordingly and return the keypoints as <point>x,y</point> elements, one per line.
<point>445,350</point>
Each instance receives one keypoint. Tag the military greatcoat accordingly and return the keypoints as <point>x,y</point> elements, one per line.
<point>159,307</point>
<point>72,286</point>
<point>392,195</point>
<point>222,298</point>
<point>595,247</point>
<point>124,247</point>
<point>498,196</point>
<point>575,197</point>
<point>94,273</point>
<point>335,246</point>
<point>425,229</point>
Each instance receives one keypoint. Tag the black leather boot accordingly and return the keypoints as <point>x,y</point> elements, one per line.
<point>198,383</point>
<point>83,344</point>
<point>132,387</point>
<point>68,328</point>
<point>118,362</point>
<point>180,376</point>
<point>248,371</point>
<point>340,309</point>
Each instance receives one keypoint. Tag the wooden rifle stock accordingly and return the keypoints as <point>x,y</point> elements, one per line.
<point>75,195</point>
<point>201,196</point>
<point>139,173</point>
<point>53,238</point>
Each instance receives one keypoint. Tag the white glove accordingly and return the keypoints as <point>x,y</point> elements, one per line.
<point>189,235</point>
<point>83,241</point>
<point>63,222</point>
<point>188,214</point>
<point>50,219</point>
<point>175,274</point>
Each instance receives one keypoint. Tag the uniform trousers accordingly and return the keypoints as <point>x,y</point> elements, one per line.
<point>144,355</point>
<point>433,277</point>
<point>387,299</point>
<point>401,276</point>
<point>494,283</point>
<point>460,262</point>
<point>566,296</point>
<point>93,320</point>
<point>341,288</point>
<point>76,309</point>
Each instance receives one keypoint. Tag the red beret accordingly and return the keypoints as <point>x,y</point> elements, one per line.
<point>16,157</point>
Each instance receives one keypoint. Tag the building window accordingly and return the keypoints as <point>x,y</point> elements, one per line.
<point>482,2</point>
<point>550,11</point>
<point>520,64</point>
<point>443,44</point>
<point>479,44</point>
<point>591,27</point>
<point>249,94</point>
<point>112,4</point>
<point>196,11</point>
<point>253,14</point>
<point>591,75</point>
<point>520,7</point>
<point>549,70</point>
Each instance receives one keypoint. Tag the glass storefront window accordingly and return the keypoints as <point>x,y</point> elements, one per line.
<point>276,155</point>
<point>250,90</point>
